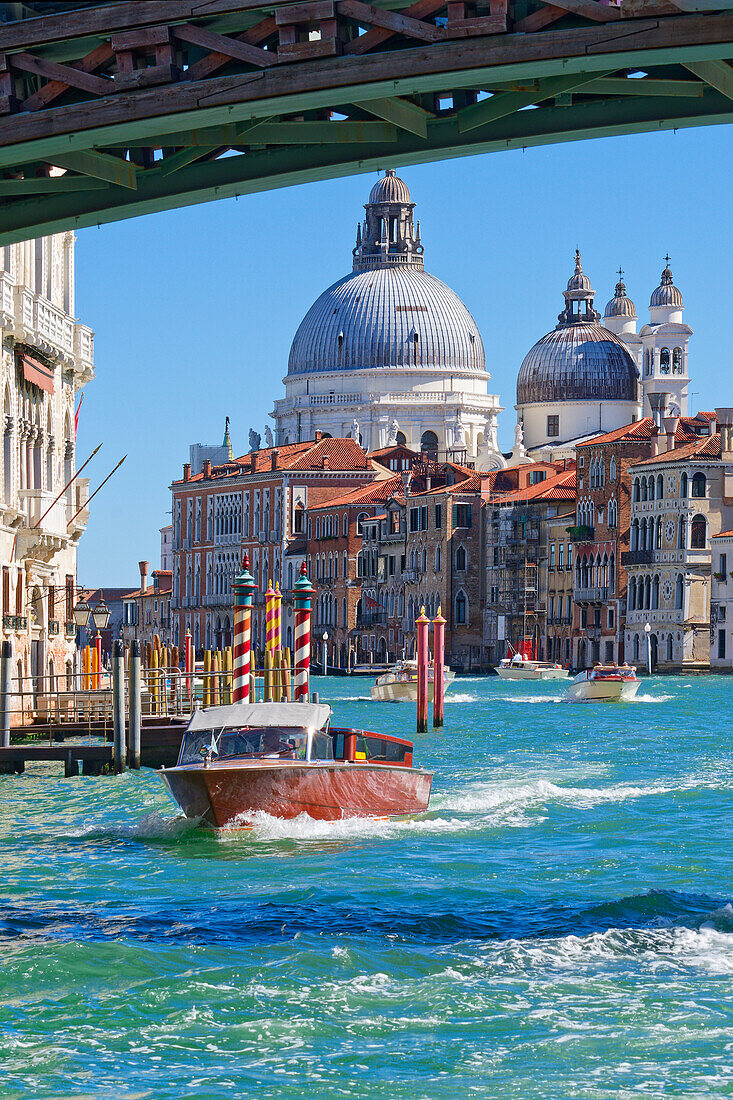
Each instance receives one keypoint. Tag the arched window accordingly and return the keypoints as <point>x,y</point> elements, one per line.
<point>678,591</point>
<point>683,486</point>
<point>360,520</point>
<point>682,533</point>
<point>634,535</point>
<point>658,539</point>
<point>612,469</point>
<point>644,489</point>
<point>461,608</point>
<point>698,533</point>
<point>636,647</point>
<point>437,559</point>
<point>664,361</point>
<point>632,594</point>
<point>612,513</point>
<point>676,369</point>
<point>651,488</point>
<point>699,485</point>
<point>660,487</point>
<point>461,559</point>
<point>669,636</point>
<point>429,445</point>
<point>655,594</point>
<point>401,440</point>
<point>637,490</point>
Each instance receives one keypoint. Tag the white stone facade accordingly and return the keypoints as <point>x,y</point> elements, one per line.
<point>47,358</point>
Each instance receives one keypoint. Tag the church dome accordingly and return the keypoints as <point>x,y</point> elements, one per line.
<point>667,293</point>
<point>620,305</point>
<point>387,317</point>
<point>389,312</point>
<point>580,360</point>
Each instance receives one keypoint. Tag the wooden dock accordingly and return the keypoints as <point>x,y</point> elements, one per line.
<point>160,745</point>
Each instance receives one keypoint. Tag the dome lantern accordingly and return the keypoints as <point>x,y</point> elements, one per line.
<point>578,296</point>
<point>388,237</point>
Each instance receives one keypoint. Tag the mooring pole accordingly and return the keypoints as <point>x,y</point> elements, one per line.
<point>438,667</point>
<point>422,623</point>
<point>135,705</point>
<point>118,705</point>
<point>6,671</point>
<point>303,593</point>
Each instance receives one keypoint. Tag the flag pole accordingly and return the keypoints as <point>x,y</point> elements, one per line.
<point>86,503</point>
<point>66,486</point>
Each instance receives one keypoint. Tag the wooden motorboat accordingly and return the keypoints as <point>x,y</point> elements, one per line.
<point>285,759</point>
<point>604,683</point>
<point>399,684</point>
<point>519,667</point>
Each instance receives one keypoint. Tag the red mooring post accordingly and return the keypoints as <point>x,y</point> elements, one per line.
<point>188,664</point>
<point>303,593</point>
<point>244,586</point>
<point>438,667</point>
<point>98,673</point>
<point>422,623</point>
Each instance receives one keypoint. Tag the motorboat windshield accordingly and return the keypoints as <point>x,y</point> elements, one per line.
<point>256,743</point>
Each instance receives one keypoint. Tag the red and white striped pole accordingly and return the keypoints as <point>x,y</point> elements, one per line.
<point>244,585</point>
<point>422,623</point>
<point>438,668</point>
<point>303,593</point>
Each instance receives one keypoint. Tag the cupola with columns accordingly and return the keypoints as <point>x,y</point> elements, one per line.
<point>388,235</point>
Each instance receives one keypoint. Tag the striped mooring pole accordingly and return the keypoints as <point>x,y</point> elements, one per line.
<point>270,618</point>
<point>438,667</point>
<point>422,623</point>
<point>188,664</point>
<point>244,586</point>
<point>278,617</point>
<point>303,593</point>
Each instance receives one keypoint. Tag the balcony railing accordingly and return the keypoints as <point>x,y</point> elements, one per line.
<point>591,595</point>
<point>637,557</point>
<point>372,618</point>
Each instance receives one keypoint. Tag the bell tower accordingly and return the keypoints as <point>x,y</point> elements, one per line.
<point>665,343</point>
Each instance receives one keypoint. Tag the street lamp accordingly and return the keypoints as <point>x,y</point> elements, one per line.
<point>82,612</point>
<point>325,652</point>
<point>101,614</point>
<point>648,632</point>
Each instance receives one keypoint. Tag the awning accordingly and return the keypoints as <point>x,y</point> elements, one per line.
<point>38,374</point>
<point>261,714</point>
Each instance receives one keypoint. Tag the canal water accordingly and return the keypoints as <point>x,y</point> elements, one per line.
<point>558,925</point>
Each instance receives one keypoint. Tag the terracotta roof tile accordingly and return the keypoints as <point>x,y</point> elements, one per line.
<point>703,447</point>
<point>723,535</point>
<point>377,492</point>
<point>560,486</point>
<point>342,454</point>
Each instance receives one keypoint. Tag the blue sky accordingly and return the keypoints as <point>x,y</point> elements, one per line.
<point>195,309</point>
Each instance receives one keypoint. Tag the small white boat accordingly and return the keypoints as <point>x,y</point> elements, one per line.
<point>400,683</point>
<point>521,668</point>
<point>604,684</point>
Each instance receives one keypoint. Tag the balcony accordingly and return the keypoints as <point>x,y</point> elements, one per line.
<point>637,557</point>
<point>71,630</point>
<point>591,595</point>
<point>410,575</point>
<point>34,503</point>
<point>53,626</point>
<point>581,533</point>
<point>372,618</point>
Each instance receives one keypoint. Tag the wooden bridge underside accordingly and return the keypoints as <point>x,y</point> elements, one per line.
<point>113,110</point>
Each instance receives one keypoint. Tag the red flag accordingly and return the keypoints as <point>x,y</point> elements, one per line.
<point>76,416</point>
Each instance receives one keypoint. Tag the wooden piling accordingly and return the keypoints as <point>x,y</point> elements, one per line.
<point>268,677</point>
<point>135,710</point>
<point>286,667</point>
<point>438,668</point>
<point>206,694</point>
<point>118,706</point>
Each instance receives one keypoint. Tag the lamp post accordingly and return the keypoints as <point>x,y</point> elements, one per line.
<point>100,617</point>
<point>648,632</point>
<point>325,652</point>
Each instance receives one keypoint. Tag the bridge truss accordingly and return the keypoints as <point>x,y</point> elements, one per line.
<point>112,110</point>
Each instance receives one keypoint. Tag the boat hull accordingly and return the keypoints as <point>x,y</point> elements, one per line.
<point>532,673</point>
<point>603,691</point>
<point>404,691</point>
<point>228,793</point>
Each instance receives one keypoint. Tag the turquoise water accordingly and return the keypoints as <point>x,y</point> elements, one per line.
<point>558,925</point>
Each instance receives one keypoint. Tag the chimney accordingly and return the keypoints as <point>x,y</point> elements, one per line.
<point>325,462</point>
<point>406,483</point>
<point>186,471</point>
<point>671,423</point>
<point>206,468</point>
<point>724,418</point>
<point>143,574</point>
<point>658,403</point>
<point>273,460</point>
<point>318,437</point>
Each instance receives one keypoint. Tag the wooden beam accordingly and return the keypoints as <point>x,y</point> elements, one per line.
<point>375,36</point>
<point>51,91</point>
<point>100,166</point>
<point>590,9</point>
<point>539,19</point>
<point>391,21</point>
<point>645,86</point>
<point>209,64</point>
<point>507,103</point>
<point>401,112</point>
<point>718,74</point>
<point>66,74</point>
<point>232,47</point>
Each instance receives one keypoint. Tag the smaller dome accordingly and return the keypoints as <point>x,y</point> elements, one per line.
<point>390,189</point>
<point>578,283</point>
<point>620,305</point>
<point>667,293</point>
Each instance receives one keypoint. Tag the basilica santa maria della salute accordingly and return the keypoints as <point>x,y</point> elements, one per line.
<point>390,355</point>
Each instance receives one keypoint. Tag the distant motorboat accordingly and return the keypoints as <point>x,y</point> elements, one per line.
<point>604,684</point>
<point>399,684</point>
<point>521,668</point>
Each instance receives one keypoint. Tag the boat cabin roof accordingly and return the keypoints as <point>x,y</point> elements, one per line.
<point>239,715</point>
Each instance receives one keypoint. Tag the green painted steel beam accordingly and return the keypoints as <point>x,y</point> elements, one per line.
<point>100,166</point>
<point>508,103</point>
<point>403,113</point>
<point>285,166</point>
<point>717,74</point>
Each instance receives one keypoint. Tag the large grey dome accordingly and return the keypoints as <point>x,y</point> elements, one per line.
<point>391,316</point>
<point>577,363</point>
<point>580,360</point>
